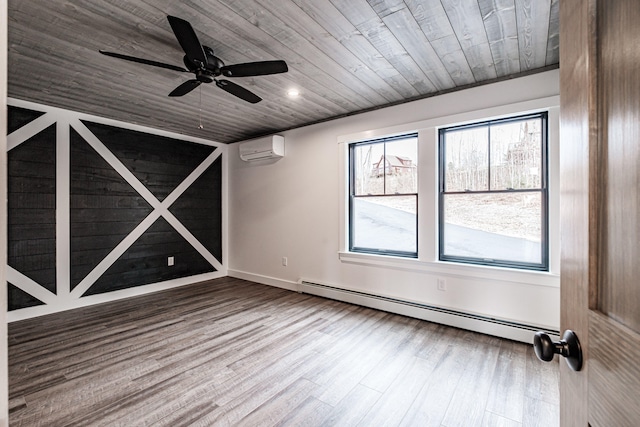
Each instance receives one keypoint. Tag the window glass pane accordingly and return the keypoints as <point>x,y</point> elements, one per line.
<point>402,166</point>
<point>466,159</point>
<point>493,227</point>
<point>366,179</point>
<point>385,223</point>
<point>516,155</point>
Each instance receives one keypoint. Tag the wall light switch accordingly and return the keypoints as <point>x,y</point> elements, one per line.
<point>284,261</point>
<point>442,285</point>
<point>170,261</point>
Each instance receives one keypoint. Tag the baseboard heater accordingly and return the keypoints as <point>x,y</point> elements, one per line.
<point>474,322</point>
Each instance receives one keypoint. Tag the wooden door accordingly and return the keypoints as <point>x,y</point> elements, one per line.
<point>600,209</point>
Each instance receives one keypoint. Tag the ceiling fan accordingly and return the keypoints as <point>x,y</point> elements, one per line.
<point>201,61</point>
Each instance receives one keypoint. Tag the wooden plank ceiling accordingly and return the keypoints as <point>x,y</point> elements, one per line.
<point>344,56</point>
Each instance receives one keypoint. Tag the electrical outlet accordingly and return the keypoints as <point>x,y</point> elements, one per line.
<point>442,285</point>
<point>284,261</point>
<point>170,261</point>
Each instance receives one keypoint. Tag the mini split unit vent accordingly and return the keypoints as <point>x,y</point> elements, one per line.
<point>270,147</point>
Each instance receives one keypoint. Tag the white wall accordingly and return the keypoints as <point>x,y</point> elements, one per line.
<point>295,208</point>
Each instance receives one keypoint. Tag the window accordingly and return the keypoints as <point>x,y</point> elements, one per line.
<point>493,193</point>
<point>383,202</point>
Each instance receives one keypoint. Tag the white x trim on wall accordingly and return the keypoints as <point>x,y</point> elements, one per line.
<point>65,298</point>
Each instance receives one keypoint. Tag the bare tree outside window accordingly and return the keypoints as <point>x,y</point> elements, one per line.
<point>384,196</point>
<point>493,195</point>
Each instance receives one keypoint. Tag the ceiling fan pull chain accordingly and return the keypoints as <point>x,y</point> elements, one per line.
<point>200,112</point>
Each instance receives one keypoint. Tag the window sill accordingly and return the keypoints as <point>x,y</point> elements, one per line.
<point>465,271</point>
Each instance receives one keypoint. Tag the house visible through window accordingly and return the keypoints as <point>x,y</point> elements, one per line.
<point>384,196</point>
<point>493,193</point>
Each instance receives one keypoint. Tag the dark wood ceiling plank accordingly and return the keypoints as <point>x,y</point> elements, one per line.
<point>237,40</point>
<point>294,115</point>
<point>468,25</point>
<point>553,43</point>
<point>126,82</point>
<point>405,28</point>
<point>77,81</point>
<point>454,60</point>
<point>500,23</point>
<point>111,15</point>
<point>432,18</point>
<point>385,8</point>
<point>270,24</point>
<point>344,55</point>
<point>132,26</point>
<point>367,22</point>
<point>434,23</point>
<point>533,32</point>
<point>333,22</point>
<point>249,36</point>
<point>353,53</point>
<point>119,96</point>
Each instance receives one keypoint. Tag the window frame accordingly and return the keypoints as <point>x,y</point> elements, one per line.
<point>543,191</point>
<point>352,196</point>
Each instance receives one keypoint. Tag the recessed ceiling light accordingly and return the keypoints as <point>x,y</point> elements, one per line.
<point>292,93</point>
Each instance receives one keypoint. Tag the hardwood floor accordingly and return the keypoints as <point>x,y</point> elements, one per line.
<point>232,352</point>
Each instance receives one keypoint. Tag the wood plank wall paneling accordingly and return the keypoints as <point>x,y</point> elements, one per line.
<point>32,208</point>
<point>160,163</point>
<point>19,117</point>
<point>146,261</point>
<point>198,209</point>
<point>17,298</point>
<point>104,208</point>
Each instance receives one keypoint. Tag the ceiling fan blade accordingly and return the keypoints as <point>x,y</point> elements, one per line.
<point>188,40</point>
<point>249,69</point>
<point>238,91</point>
<point>185,88</point>
<point>144,61</point>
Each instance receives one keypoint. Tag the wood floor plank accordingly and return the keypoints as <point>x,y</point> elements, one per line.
<point>538,413</point>
<point>353,408</point>
<point>431,404</point>
<point>232,352</point>
<point>395,402</point>
<point>346,373</point>
<point>506,396</point>
<point>469,401</point>
<point>310,413</point>
<point>493,420</point>
<point>418,341</point>
<point>277,408</point>
<point>542,378</point>
<point>240,400</point>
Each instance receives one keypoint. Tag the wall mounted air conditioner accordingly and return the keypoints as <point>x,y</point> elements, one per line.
<point>270,147</point>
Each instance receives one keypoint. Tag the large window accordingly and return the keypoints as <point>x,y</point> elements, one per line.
<point>383,202</point>
<point>493,200</point>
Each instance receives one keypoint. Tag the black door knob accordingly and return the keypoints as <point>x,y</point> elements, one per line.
<point>568,347</point>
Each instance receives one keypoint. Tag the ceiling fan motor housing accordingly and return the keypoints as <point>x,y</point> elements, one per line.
<point>205,73</point>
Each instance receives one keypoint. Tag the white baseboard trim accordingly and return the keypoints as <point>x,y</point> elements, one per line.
<point>484,324</point>
<point>264,280</point>
<point>502,328</point>
<point>64,303</point>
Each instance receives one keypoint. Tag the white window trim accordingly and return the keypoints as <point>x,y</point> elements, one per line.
<point>427,260</point>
